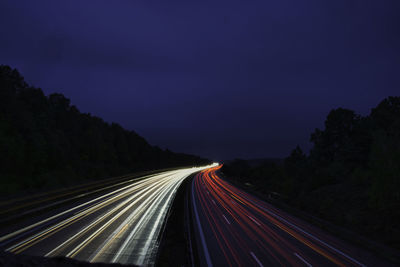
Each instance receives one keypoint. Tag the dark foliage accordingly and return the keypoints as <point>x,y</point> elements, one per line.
<point>46,142</point>
<point>351,176</point>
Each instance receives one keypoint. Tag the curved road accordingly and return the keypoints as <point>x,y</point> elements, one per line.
<point>120,226</point>
<point>233,228</point>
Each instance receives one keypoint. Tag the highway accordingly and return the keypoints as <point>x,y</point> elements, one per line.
<point>234,228</point>
<point>122,225</point>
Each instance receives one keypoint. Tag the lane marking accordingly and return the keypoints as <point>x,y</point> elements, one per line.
<point>84,243</point>
<point>203,239</point>
<point>257,260</point>
<point>139,187</point>
<point>157,225</point>
<point>138,195</point>
<point>99,251</point>
<point>127,188</point>
<point>55,228</point>
<point>310,235</point>
<point>121,256</point>
<point>226,219</point>
<point>303,260</point>
<point>254,221</point>
<point>213,202</point>
<point>156,210</point>
<point>34,239</point>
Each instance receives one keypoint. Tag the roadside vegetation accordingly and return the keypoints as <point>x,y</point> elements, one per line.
<point>45,142</point>
<point>351,176</point>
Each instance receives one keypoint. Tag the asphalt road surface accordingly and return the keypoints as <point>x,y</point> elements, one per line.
<point>234,228</point>
<point>122,225</point>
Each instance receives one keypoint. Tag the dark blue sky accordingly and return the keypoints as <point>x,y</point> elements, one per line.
<point>220,79</point>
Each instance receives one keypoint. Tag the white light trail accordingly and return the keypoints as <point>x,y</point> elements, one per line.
<point>124,225</point>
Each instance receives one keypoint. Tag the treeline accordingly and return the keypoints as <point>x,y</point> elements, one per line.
<point>46,142</point>
<point>351,176</point>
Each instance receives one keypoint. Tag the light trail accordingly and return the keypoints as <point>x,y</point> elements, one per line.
<point>25,229</point>
<point>121,226</point>
<point>240,223</point>
<point>39,236</point>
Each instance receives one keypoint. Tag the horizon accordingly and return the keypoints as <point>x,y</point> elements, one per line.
<point>219,159</point>
<point>200,133</point>
<point>232,81</point>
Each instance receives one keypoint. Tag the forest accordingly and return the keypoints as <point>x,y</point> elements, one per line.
<point>350,177</point>
<point>45,142</point>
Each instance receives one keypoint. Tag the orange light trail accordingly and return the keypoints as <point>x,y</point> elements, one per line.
<point>255,224</point>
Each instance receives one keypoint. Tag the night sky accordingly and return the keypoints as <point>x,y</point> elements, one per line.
<point>220,79</point>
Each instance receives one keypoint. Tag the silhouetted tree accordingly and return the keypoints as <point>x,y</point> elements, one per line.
<point>46,141</point>
<point>351,176</point>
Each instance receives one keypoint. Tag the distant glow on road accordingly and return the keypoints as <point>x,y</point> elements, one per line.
<point>122,226</point>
